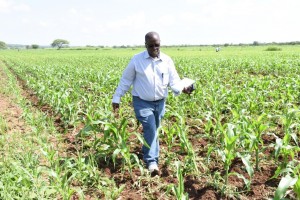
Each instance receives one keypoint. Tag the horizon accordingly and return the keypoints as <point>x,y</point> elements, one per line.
<point>171,45</point>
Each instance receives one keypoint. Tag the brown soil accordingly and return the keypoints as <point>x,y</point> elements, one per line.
<point>10,111</point>
<point>12,115</point>
<point>261,187</point>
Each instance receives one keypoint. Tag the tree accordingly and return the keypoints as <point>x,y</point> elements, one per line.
<point>59,43</point>
<point>255,43</point>
<point>34,46</point>
<point>3,45</point>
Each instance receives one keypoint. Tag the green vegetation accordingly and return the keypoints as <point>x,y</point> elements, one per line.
<point>3,45</point>
<point>34,46</point>
<point>3,126</point>
<point>245,108</point>
<point>273,49</point>
<point>59,43</point>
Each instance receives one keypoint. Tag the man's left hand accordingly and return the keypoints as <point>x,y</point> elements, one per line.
<point>188,90</point>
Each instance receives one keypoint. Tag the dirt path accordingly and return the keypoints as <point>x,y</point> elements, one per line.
<point>10,111</point>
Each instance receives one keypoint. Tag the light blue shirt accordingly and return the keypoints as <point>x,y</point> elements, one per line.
<point>149,76</point>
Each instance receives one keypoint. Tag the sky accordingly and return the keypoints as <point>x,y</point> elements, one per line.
<point>125,22</point>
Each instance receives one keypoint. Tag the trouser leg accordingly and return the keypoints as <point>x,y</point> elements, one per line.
<point>149,114</point>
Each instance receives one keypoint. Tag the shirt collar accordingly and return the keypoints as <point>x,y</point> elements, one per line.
<point>160,56</point>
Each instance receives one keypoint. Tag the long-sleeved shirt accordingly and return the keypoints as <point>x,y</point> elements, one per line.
<point>150,77</point>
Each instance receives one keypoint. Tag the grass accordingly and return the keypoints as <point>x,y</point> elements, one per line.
<point>273,49</point>
<point>3,125</point>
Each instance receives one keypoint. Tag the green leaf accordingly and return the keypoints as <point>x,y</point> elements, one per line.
<point>261,117</point>
<point>53,173</point>
<point>278,146</point>
<point>49,192</point>
<point>116,152</point>
<point>247,163</point>
<point>230,132</point>
<point>297,188</point>
<point>295,138</point>
<point>262,127</point>
<point>284,184</point>
<point>246,181</point>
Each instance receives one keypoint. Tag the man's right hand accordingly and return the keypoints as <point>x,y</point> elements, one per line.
<point>115,106</point>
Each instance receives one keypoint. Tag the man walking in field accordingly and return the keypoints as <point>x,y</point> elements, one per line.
<point>150,72</point>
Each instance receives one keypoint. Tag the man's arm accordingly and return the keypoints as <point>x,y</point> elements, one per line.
<point>124,84</point>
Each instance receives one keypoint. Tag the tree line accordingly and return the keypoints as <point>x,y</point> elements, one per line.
<point>61,43</point>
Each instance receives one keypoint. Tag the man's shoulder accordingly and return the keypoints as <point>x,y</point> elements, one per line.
<point>139,55</point>
<point>164,57</point>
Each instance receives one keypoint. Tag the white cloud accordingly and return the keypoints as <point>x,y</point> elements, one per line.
<point>25,20</point>
<point>167,20</point>
<point>21,7</point>
<point>132,21</point>
<point>191,18</point>
<point>73,11</point>
<point>43,23</point>
<point>86,30</point>
<point>7,6</point>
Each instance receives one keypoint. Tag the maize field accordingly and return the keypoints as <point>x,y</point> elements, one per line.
<point>235,137</point>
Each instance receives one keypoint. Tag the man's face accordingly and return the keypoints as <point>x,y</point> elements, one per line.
<point>153,45</point>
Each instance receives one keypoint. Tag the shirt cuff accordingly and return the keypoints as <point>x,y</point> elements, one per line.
<point>177,89</point>
<point>176,93</point>
<point>116,99</point>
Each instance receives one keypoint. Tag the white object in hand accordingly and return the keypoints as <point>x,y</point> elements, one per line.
<point>184,83</point>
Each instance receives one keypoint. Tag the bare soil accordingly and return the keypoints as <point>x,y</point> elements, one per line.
<point>10,111</point>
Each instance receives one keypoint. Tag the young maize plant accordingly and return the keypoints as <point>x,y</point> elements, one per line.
<point>290,178</point>
<point>179,189</point>
<point>181,130</point>
<point>114,143</point>
<point>255,129</point>
<point>283,146</point>
<point>229,152</point>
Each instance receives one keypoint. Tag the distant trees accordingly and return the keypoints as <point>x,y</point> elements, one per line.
<point>34,46</point>
<point>59,43</point>
<point>3,45</point>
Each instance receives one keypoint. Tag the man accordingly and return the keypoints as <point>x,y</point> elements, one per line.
<point>150,72</point>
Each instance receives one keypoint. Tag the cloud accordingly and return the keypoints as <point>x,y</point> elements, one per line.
<point>7,6</point>
<point>25,20</point>
<point>43,23</point>
<point>132,21</point>
<point>167,20</point>
<point>21,7</point>
<point>73,11</point>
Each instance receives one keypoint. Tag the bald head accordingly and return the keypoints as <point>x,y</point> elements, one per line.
<point>151,35</point>
<point>152,43</point>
